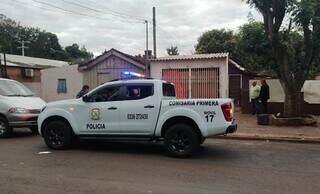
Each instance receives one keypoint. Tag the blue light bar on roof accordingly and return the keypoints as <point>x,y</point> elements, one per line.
<point>132,74</point>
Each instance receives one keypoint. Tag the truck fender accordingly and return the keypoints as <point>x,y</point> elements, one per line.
<point>60,113</point>
<point>181,112</point>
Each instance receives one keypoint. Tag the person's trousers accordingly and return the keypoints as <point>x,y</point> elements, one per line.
<point>255,109</point>
<point>264,107</point>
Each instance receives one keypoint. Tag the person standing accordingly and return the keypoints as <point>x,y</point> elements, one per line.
<point>84,91</point>
<point>264,96</point>
<point>254,97</point>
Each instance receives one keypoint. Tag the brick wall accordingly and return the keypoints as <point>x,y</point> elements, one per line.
<point>16,73</point>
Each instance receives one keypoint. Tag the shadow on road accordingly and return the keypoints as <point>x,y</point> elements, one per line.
<point>21,133</point>
<point>206,151</point>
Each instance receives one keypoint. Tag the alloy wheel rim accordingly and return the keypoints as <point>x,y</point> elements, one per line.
<point>56,137</point>
<point>180,142</point>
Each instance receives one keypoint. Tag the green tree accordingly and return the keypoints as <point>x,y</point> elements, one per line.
<point>9,32</point>
<point>295,44</point>
<point>173,50</point>
<point>41,43</point>
<point>253,49</point>
<point>77,55</point>
<point>216,41</point>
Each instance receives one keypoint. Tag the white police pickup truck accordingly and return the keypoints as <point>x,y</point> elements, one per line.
<point>133,110</point>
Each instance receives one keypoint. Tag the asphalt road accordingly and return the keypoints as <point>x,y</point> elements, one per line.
<point>221,166</point>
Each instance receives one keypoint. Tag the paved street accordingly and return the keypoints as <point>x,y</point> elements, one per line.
<point>222,166</point>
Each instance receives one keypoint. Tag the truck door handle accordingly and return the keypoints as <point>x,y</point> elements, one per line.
<point>149,106</point>
<point>112,108</point>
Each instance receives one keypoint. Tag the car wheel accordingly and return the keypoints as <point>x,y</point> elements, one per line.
<point>58,135</point>
<point>34,130</point>
<point>5,130</point>
<point>181,140</point>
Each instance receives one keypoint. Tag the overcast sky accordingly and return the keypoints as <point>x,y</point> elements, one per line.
<point>104,24</point>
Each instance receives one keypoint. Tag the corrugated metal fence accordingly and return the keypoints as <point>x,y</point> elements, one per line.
<point>194,82</point>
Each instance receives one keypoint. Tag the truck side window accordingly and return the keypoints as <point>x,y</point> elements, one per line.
<point>168,90</point>
<point>106,94</point>
<point>136,92</point>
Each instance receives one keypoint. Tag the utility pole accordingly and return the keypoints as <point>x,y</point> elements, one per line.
<point>5,75</point>
<point>154,33</point>
<point>1,71</point>
<point>147,37</point>
<point>22,47</point>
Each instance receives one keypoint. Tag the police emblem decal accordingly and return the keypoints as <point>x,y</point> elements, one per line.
<point>95,114</point>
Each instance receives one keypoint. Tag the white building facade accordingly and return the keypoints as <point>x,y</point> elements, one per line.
<point>60,83</point>
<point>195,76</point>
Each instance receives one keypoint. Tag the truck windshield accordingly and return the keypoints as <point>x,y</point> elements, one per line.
<point>168,90</point>
<point>13,88</point>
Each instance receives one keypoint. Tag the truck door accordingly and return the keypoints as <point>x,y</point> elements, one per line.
<point>100,111</point>
<point>139,110</point>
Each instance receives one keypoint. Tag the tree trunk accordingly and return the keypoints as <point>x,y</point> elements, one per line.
<point>293,102</point>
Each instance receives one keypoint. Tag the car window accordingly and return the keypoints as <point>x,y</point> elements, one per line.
<point>168,90</point>
<point>139,91</point>
<point>13,88</point>
<point>106,94</point>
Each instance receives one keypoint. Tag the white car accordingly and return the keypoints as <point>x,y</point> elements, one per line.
<point>19,107</point>
<point>141,109</point>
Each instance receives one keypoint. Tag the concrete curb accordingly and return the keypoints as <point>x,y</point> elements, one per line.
<point>271,138</point>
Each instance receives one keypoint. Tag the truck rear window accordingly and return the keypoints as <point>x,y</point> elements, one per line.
<point>168,90</point>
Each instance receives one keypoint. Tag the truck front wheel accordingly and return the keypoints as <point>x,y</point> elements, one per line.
<point>181,140</point>
<point>58,135</point>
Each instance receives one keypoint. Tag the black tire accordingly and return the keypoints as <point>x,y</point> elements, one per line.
<point>5,130</point>
<point>34,130</point>
<point>58,135</point>
<point>181,140</point>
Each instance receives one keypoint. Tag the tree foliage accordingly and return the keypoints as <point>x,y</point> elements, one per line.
<point>41,44</point>
<point>173,50</point>
<point>249,46</point>
<point>216,41</point>
<point>253,49</point>
<point>76,54</point>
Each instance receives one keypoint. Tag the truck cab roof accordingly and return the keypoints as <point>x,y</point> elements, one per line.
<point>140,80</point>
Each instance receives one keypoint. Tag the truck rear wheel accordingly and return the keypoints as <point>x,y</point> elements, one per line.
<point>58,135</point>
<point>181,140</point>
<point>5,130</point>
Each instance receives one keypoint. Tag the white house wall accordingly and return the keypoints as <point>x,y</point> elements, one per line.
<point>221,63</point>
<point>49,82</point>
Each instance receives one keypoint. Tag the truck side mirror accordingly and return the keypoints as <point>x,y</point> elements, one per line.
<point>85,98</point>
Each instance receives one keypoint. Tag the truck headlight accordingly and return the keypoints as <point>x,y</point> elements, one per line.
<point>18,110</point>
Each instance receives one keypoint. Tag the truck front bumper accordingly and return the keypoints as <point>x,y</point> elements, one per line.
<point>232,128</point>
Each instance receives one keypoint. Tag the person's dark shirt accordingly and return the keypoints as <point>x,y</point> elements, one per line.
<point>264,93</point>
<point>81,93</point>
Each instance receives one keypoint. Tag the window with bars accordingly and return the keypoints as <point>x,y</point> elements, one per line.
<point>62,86</point>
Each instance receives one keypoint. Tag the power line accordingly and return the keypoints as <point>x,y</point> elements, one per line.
<point>117,12</point>
<point>111,12</point>
<point>19,3</point>
<point>77,13</point>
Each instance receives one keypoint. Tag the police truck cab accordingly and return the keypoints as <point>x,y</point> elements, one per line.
<point>135,110</point>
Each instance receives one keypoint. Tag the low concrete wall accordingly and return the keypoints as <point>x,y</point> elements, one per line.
<point>311,90</point>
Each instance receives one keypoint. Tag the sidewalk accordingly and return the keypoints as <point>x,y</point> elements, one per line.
<point>248,129</point>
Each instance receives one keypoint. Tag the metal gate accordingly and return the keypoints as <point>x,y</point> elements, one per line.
<point>194,82</point>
